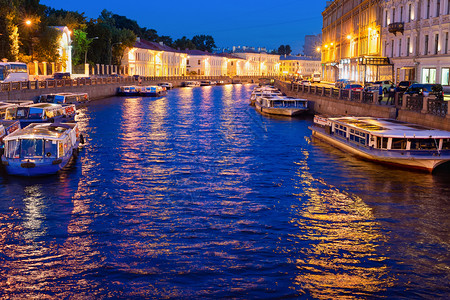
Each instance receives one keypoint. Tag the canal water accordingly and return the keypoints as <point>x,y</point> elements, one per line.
<point>196,195</point>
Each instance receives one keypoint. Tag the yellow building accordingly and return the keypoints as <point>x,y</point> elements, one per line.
<point>351,42</point>
<point>154,59</point>
<point>299,66</point>
<point>205,64</point>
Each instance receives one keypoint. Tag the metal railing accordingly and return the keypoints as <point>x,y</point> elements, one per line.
<point>417,103</point>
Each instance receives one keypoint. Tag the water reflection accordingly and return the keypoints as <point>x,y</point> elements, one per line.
<point>337,242</point>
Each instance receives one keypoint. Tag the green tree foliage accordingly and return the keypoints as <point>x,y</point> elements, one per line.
<point>45,46</point>
<point>73,20</point>
<point>183,44</point>
<point>204,42</point>
<point>284,50</point>
<point>80,46</point>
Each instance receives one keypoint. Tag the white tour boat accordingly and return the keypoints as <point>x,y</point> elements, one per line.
<point>191,83</point>
<point>267,91</point>
<point>386,141</point>
<point>281,105</point>
<point>40,148</point>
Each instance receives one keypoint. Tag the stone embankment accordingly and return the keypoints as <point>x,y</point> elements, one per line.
<point>328,101</point>
<point>97,88</point>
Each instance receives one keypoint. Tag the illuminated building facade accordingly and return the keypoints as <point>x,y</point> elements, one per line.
<point>299,66</point>
<point>205,64</point>
<point>235,64</point>
<point>154,59</point>
<point>351,42</point>
<point>260,63</point>
<point>415,36</point>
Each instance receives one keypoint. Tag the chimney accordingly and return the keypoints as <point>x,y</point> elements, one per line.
<point>161,43</point>
<point>138,39</point>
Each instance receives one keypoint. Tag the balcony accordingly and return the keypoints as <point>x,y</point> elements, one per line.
<point>396,27</point>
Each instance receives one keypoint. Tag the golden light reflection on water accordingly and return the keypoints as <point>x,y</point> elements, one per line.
<point>341,261</point>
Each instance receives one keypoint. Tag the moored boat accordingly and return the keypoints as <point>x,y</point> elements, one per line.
<point>166,85</point>
<point>152,91</point>
<point>129,90</point>
<point>7,127</point>
<point>281,105</point>
<point>191,83</point>
<point>64,98</point>
<point>267,91</point>
<point>40,148</point>
<point>386,141</point>
<point>41,113</point>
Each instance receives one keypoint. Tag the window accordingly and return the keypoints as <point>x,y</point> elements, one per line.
<point>410,12</point>
<point>425,50</point>
<point>438,8</point>
<point>429,75</point>
<point>408,44</point>
<point>401,13</point>
<point>436,43</point>
<point>446,42</point>
<point>423,144</point>
<point>398,144</point>
<point>393,15</point>
<point>386,18</point>
<point>199,61</point>
<point>392,48</point>
<point>428,10</point>
<point>187,62</point>
<point>445,76</point>
<point>400,47</point>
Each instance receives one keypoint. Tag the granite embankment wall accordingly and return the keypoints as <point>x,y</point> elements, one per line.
<point>95,91</point>
<point>335,107</point>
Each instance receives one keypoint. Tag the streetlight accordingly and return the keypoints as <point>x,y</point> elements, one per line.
<point>85,54</point>
<point>29,23</point>
<point>110,57</point>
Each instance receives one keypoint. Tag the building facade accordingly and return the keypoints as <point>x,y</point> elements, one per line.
<point>415,36</point>
<point>312,42</point>
<point>153,59</point>
<point>205,64</point>
<point>299,66</point>
<point>260,63</point>
<point>351,42</point>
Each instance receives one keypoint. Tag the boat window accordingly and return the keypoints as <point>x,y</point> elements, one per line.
<point>398,143</point>
<point>22,113</point>
<point>13,149</point>
<point>423,144</point>
<point>51,148</point>
<point>35,113</point>
<point>31,148</point>
<point>340,130</point>
<point>446,144</point>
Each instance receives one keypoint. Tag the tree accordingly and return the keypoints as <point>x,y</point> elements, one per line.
<point>184,43</point>
<point>204,42</point>
<point>284,50</point>
<point>167,40</point>
<point>80,46</point>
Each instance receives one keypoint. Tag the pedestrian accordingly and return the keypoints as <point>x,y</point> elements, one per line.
<point>380,94</point>
<point>391,93</point>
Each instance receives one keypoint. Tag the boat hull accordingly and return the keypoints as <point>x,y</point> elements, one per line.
<point>279,111</point>
<point>32,168</point>
<point>426,162</point>
<point>154,94</point>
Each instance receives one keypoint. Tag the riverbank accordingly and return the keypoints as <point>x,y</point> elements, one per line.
<point>320,104</point>
<point>99,88</point>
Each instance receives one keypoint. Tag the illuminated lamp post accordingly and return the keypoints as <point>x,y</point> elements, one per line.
<point>28,23</point>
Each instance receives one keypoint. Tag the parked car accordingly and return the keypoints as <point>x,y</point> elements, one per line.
<point>404,85</point>
<point>305,82</point>
<point>426,89</point>
<point>353,87</point>
<point>385,84</point>
<point>61,75</point>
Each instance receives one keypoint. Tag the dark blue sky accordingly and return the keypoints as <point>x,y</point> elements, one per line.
<point>263,23</point>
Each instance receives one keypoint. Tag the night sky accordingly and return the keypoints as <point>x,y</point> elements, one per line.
<point>261,23</point>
